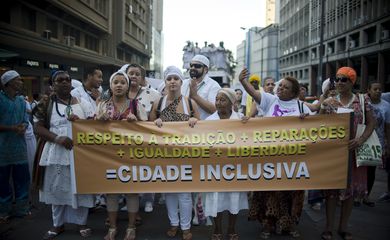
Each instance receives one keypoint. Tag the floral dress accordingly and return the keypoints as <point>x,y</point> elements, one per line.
<point>357,188</point>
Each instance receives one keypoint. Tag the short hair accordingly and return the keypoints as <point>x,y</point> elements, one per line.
<point>267,78</point>
<point>371,83</point>
<point>136,65</point>
<point>89,71</point>
<point>295,85</point>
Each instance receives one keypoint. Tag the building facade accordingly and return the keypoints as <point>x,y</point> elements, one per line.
<point>156,63</point>
<point>355,33</point>
<point>259,52</point>
<point>37,37</point>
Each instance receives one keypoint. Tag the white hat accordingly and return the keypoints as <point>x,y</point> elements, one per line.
<point>202,59</point>
<point>119,73</point>
<point>8,76</point>
<point>325,85</point>
<point>229,93</point>
<point>172,70</point>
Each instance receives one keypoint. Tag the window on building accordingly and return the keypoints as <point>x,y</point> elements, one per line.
<point>52,26</point>
<point>70,32</point>
<point>91,43</point>
<point>29,18</point>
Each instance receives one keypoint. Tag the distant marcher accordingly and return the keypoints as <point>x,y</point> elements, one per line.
<point>13,150</point>
<point>269,85</point>
<point>382,113</point>
<point>89,91</point>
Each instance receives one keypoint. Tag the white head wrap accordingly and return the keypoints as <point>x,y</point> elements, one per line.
<point>202,59</point>
<point>172,70</point>
<point>124,67</point>
<point>8,76</point>
<point>119,73</point>
<point>229,93</point>
<point>325,85</point>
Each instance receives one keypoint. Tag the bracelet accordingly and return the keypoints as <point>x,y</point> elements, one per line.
<point>56,138</point>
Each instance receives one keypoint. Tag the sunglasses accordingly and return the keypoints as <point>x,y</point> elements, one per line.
<point>341,79</point>
<point>196,65</point>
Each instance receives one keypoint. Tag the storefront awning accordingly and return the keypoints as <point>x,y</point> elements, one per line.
<point>5,54</point>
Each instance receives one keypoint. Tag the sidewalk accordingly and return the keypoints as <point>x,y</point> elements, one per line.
<point>366,223</point>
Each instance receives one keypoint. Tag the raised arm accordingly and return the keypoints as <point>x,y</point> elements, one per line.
<point>249,88</point>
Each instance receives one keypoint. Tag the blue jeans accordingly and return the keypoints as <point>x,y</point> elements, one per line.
<point>18,175</point>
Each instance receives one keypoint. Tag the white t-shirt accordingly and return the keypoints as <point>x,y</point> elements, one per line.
<point>272,106</point>
<point>80,92</point>
<point>207,89</point>
<point>382,115</point>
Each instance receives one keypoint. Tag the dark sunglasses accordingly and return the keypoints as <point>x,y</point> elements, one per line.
<point>341,79</point>
<point>196,65</point>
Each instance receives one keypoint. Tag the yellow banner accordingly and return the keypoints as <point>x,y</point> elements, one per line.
<point>284,153</point>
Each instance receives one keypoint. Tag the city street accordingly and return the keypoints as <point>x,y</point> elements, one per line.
<point>366,223</point>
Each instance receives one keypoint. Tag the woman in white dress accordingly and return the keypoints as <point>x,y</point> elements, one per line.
<point>53,124</point>
<point>218,202</point>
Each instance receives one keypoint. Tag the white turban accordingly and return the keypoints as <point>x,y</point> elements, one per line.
<point>172,70</point>
<point>202,59</point>
<point>124,67</point>
<point>119,73</point>
<point>325,85</point>
<point>229,93</point>
<point>8,76</point>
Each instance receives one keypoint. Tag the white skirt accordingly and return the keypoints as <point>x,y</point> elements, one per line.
<point>233,202</point>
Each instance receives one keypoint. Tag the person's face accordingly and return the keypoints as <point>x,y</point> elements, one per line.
<point>255,84</point>
<point>302,93</point>
<point>134,75</point>
<point>197,69</point>
<point>62,84</point>
<point>119,86</point>
<point>222,103</point>
<point>284,91</point>
<point>238,95</point>
<point>342,83</point>
<point>16,84</point>
<point>173,83</point>
<point>269,85</point>
<point>375,91</point>
<point>96,78</point>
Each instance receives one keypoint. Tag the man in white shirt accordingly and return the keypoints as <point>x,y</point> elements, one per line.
<point>200,87</point>
<point>93,79</point>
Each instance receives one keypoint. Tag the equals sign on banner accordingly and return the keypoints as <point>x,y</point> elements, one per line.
<point>111,173</point>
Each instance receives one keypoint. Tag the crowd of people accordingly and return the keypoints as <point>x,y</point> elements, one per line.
<point>197,98</point>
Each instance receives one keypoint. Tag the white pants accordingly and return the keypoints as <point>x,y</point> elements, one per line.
<point>62,214</point>
<point>179,203</point>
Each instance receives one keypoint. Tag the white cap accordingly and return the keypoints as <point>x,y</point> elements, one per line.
<point>325,85</point>
<point>202,59</point>
<point>230,94</point>
<point>172,70</point>
<point>8,76</point>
